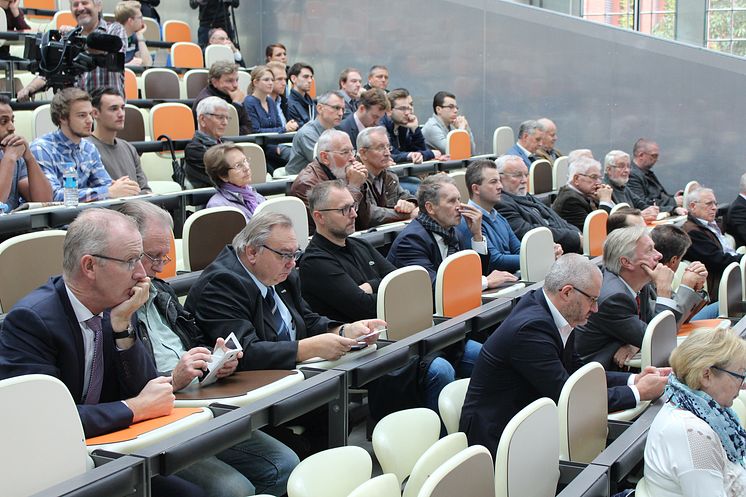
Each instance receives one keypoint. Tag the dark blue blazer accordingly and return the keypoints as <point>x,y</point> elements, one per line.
<point>416,245</point>
<point>524,360</point>
<point>516,150</point>
<point>261,120</point>
<point>300,108</point>
<point>405,141</point>
<point>349,126</point>
<point>41,335</point>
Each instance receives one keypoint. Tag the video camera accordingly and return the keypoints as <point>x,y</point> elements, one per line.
<point>61,59</point>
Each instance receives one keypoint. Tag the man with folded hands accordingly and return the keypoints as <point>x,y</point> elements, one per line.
<point>260,464</point>
<point>79,328</point>
<point>531,355</point>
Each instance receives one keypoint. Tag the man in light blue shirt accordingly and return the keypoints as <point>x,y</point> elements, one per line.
<point>71,111</point>
<point>485,190</point>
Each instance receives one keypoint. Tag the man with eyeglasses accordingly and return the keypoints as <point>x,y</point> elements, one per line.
<point>618,167</point>
<point>583,194</point>
<point>524,212</point>
<point>445,118</point>
<point>329,110</point>
<point>645,184</point>
<point>222,82</point>
<point>372,106</point>
<point>636,287</point>
<point>387,200</point>
<point>213,115</point>
<point>407,142</point>
<point>179,349</point>
<point>709,244</point>
<point>530,135</point>
<point>335,161</point>
<point>532,354</point>
<point>251,290</point>
<point>79,328</point>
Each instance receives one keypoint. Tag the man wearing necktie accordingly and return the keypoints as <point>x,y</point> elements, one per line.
<point>632,273</point>
<point>78,328</point>
<point>250,289</point>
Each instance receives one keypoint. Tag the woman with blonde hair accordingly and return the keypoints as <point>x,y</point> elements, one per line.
<point>696,444</point>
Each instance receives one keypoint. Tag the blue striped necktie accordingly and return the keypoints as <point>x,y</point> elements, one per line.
<point>283,333</point>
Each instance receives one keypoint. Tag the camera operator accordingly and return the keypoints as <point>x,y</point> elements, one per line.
<point>213,14</point>
<point>88,15</point>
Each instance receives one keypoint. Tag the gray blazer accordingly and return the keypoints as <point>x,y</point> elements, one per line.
<point>616,323</point>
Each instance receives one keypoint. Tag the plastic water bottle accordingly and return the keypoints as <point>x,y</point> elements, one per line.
<point>70,183</point>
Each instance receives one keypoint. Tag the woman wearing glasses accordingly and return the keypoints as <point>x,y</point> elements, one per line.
<point>229,169</point>
<point>696,445</point>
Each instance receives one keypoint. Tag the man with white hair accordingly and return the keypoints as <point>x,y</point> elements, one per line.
<point>709,245</point>
<point>530,135</point>
<point>583,193</point>
<point>532,354</point>
<point>546,148</point>
<point>524,212</point>
<point>387,200</point>
<point>88,15</point>
<point>736,220</point>
<point>617,169</point>
<point>335,160</point>
<point>212,119</point>
<point>627,302</point>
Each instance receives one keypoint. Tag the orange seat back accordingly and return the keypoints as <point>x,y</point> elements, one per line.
<point>185,54</point>
<point>461,283</point>
<point>130,84</point>
<point>169,270</point>
<point>172,119</point>
<point>459,144</point>
<point>176,31</point>
<point>64,18</point>
<point>597,233</point>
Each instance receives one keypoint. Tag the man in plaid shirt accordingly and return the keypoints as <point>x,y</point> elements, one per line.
<point>71,111</point>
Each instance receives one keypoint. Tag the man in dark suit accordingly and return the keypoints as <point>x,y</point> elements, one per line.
<point>583,194</point>
<point>736,220</point>
<point>645,184</point>
<point>628,302</point>
<point>371,107</point>
<point>709,245</point>
<point>617,168</point>
<point>250,289</point>
<point>78,327</point>
<point>432,237</point>
<point>524,212</point>
<point>531,355</point>
<point>530,135</point>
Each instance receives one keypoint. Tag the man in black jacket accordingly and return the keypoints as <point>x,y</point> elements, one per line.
<point>178,348</point>
<point>212,118</point>
<point>222,82</point>
<point>213,14</point>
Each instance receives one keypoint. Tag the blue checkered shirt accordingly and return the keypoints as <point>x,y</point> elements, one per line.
<point>54,149</point>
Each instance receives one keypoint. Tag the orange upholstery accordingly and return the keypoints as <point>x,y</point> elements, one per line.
<point>172,119</point>
<point>40,4</point>
<point>130,84</point>
<point>312,91</point>
<point>187,54</point>
<point>137,429</point>
<point>459,144</point>
<point>64,18</point>
<point>176,31</point>
<point>460,283</point>
<point>595,233</point>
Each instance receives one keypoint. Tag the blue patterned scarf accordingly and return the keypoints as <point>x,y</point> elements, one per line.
<point>723,420</point>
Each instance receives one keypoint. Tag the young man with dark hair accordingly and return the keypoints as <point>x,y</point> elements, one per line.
<point>301,106</point>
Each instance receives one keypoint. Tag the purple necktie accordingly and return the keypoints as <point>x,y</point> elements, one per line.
<point>97,366</point>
